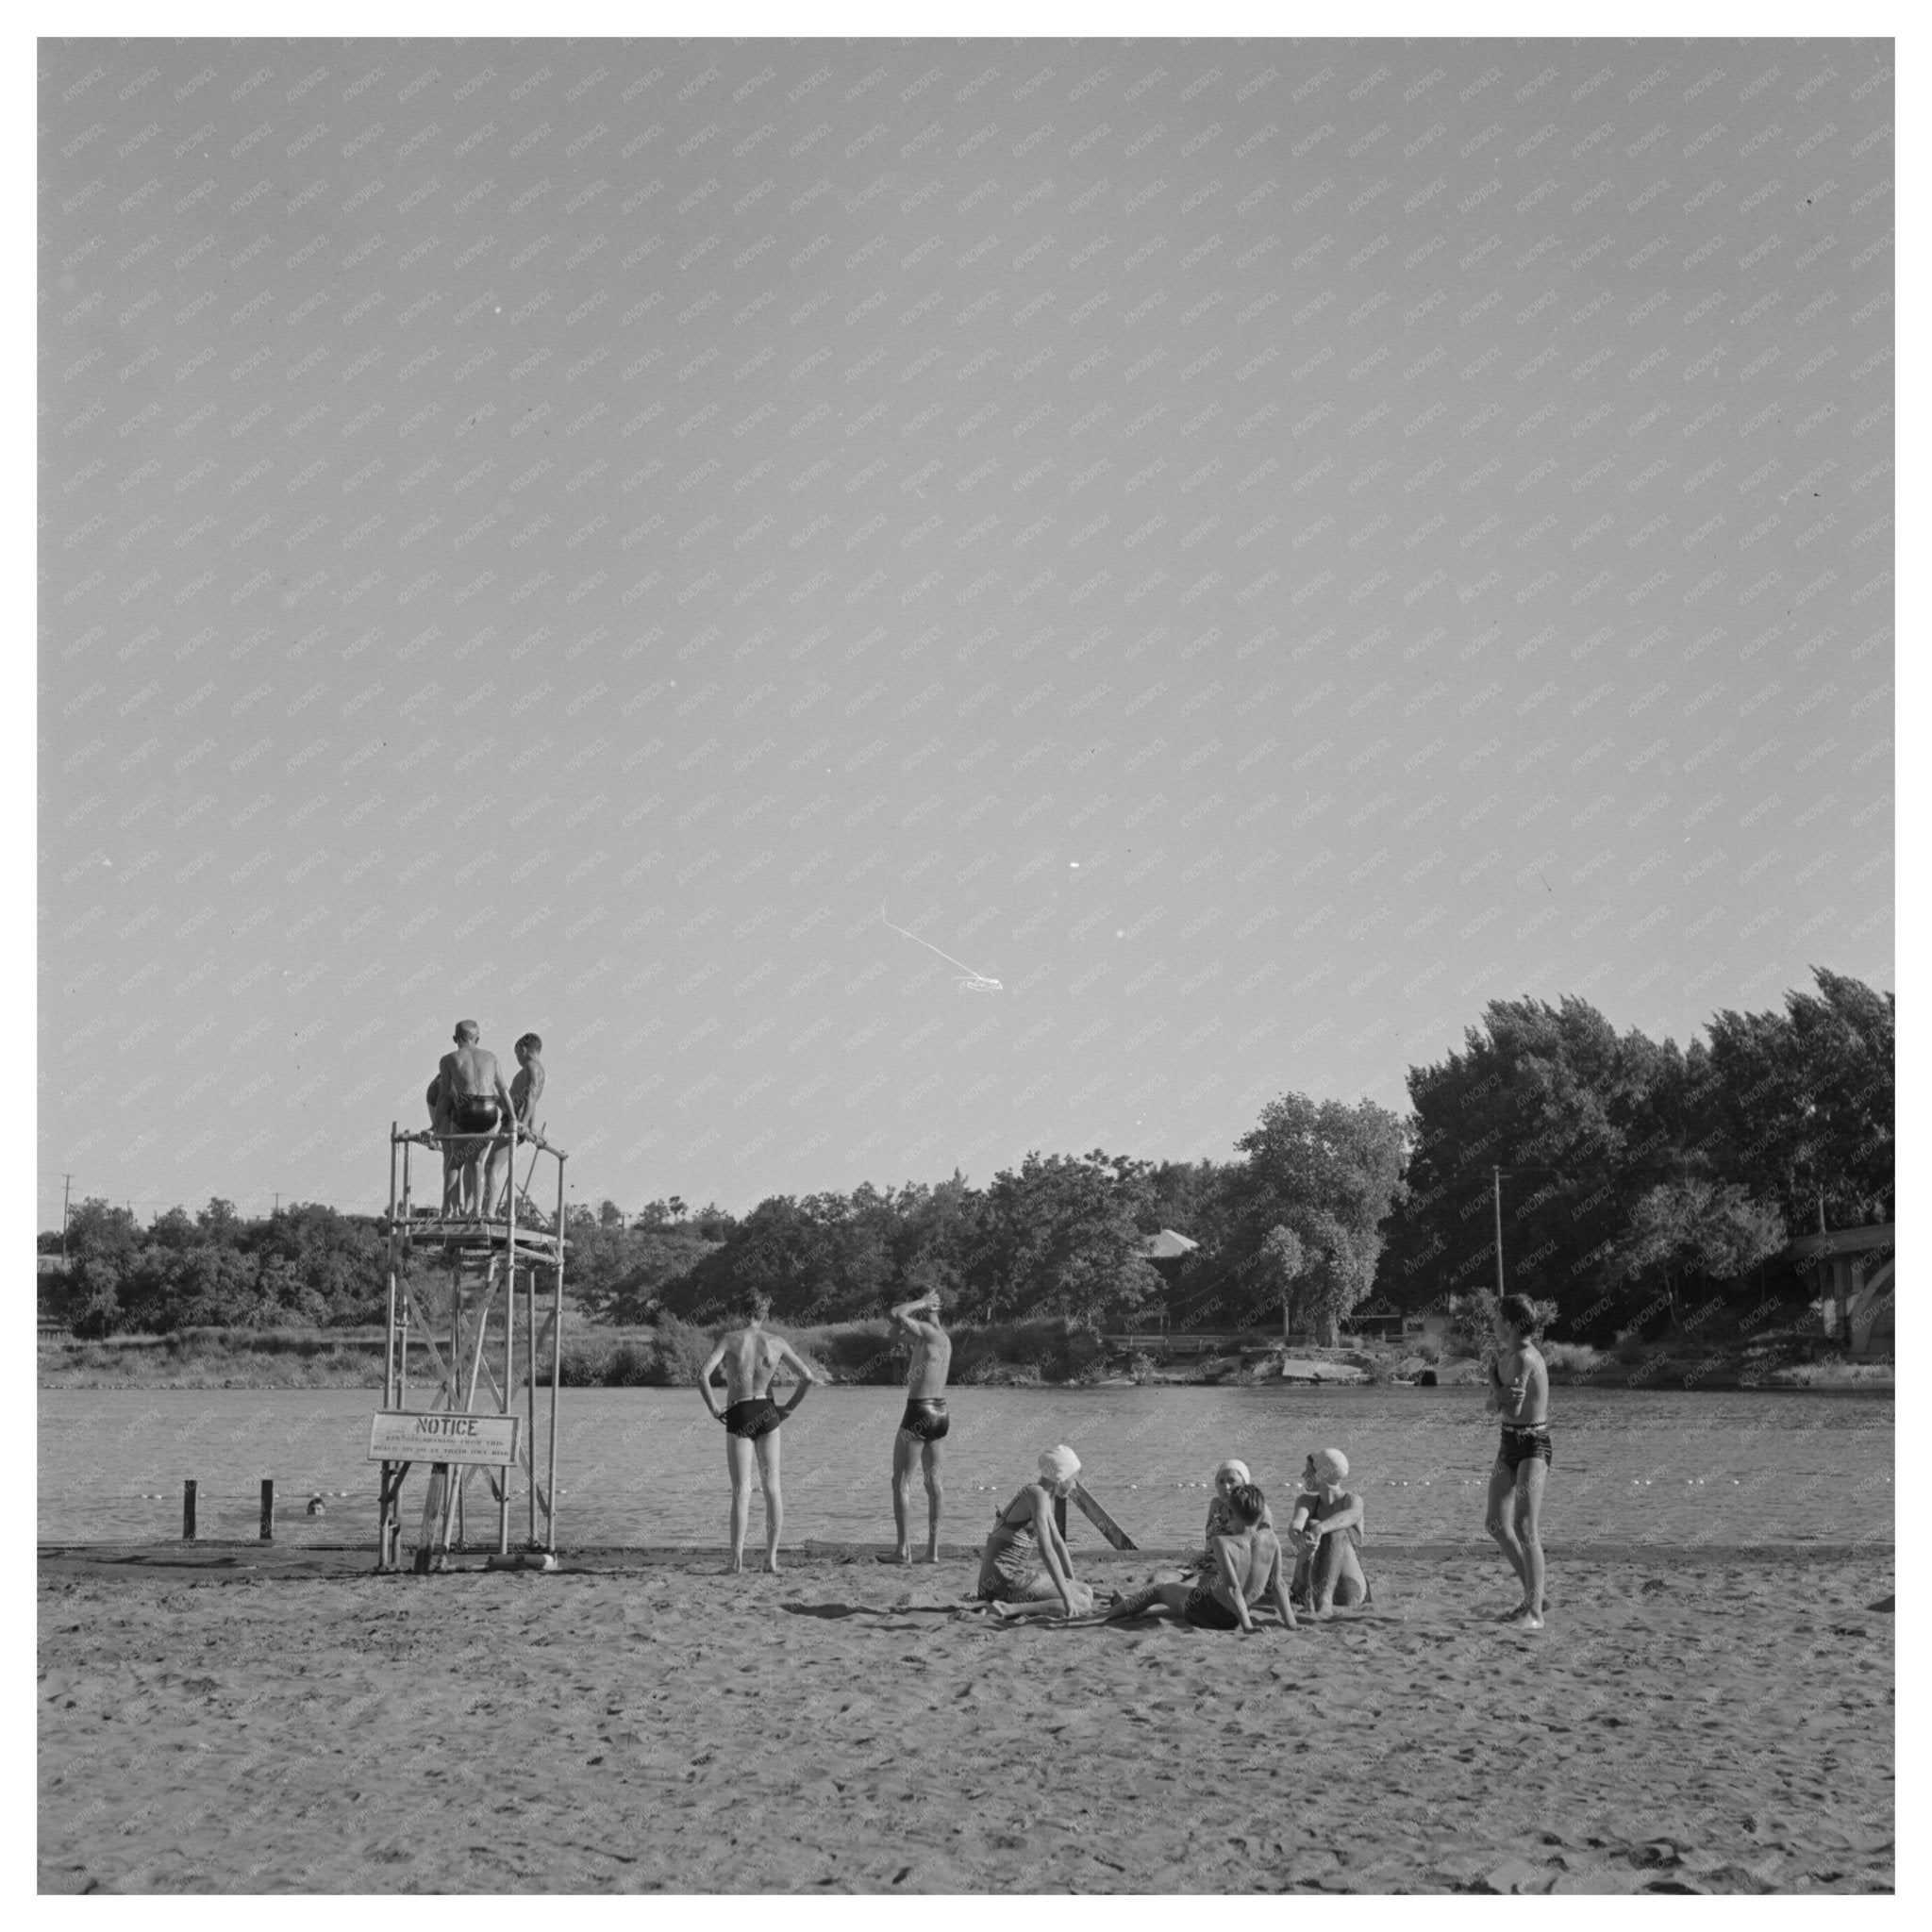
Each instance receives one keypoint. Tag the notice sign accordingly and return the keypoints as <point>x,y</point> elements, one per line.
<point>396,1436</point>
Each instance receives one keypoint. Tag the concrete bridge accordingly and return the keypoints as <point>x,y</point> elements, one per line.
<point>1855,1269</point>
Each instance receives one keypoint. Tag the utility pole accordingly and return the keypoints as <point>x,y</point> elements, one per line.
<point>1496,1181</point>
<point>66,1196</point>
<point>1496,1177</point>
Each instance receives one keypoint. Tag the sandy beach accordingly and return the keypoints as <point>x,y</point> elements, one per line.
<point>242,1720</point>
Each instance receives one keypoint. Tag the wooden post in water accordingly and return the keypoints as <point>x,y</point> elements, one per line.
<point>1059,1516</point>
<point>188,1510</point>
<point>268,1509</point>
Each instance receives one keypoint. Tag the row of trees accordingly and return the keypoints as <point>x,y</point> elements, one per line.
<point>1635,1177</point>
<point>308,1266</point>
<point>1287,1234</point>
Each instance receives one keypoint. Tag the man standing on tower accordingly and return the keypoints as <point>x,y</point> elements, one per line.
<point>470,1097</point>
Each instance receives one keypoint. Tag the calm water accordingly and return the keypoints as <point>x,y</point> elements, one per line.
<point>647,1466</point>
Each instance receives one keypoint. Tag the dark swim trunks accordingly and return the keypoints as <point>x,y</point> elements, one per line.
<point>925,1417</point>
<point>1205,1611</point>
<point>1521,1441</point>
<point>473,1114</point>
<point>757,1416</point>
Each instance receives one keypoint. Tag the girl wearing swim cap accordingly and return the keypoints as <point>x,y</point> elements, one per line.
<point>1025,1569</point>
<point>1326,1530</point>
<point>1228,1478</point>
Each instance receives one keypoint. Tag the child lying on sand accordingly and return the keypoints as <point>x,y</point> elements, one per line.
<point>1248,1566</point>
<point>1221,1519</point>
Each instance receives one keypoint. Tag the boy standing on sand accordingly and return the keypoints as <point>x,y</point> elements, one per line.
<point>924,1425</point>
<point>1520,1393</point>
<point>751,1360</point>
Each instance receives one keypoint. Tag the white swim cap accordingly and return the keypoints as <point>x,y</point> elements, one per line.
<point>1331,1463</point>
<point>1238,1471</point>
<point>1059,1465</point>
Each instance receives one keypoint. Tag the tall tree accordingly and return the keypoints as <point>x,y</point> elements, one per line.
<point>1690,1229</point>
<point>1330,1175</point>
<point>1061,1237</point>
<point>1581,1119</point>
<point>1803,1102</point>
<point>1284,1263</point>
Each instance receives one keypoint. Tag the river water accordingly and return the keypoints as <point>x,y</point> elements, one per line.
<point>646,1466</point>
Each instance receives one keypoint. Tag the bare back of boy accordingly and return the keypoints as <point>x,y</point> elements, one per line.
<point>752,1358</point>
<point>1249,1558</point>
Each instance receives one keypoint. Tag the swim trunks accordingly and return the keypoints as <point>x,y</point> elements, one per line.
<point>1205,1611</point>
<point>1521,1441</point>
<point>473,1114</point>
<point>925,1417</point>
<point>759,1415</point>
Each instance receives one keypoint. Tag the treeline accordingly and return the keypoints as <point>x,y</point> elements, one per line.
<point>1642,1185</point>
<point>1645,1184</point>
<point>306,1266</point>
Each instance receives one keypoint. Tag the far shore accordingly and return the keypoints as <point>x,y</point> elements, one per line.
<point>608,1357</point>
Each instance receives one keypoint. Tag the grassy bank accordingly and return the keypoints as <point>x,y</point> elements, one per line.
<point>220,1358</point>
<point>998,1354</point>
<point>667,1355</point>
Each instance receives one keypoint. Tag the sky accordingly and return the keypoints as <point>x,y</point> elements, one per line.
<point>715,553</point>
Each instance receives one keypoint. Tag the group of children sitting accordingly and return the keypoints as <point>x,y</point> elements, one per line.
<point>1027,1569</point>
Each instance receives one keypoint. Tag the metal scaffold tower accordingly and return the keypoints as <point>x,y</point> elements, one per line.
<point>461,1287</point>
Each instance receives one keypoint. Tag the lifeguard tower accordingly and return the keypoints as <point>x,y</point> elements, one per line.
<point>459,1290</point>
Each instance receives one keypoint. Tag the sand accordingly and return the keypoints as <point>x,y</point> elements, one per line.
<point>243,1719</point>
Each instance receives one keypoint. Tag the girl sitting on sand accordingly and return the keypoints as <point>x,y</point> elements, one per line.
<point>1222,1521</point>
<point>1326,1530</point>
<point>1248,1568</point>
<point>1025,1569</point>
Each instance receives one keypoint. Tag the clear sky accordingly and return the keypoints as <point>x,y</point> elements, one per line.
<point>1259,548</point>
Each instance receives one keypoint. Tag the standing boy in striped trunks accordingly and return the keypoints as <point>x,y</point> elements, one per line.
<point>924,1425</point>
<point>1520,1391</point>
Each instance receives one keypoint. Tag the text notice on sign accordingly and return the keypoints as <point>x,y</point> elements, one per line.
<point>396,1436</point>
